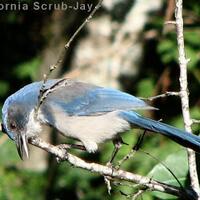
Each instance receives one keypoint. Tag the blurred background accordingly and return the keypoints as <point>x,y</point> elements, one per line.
<point>126,46</point>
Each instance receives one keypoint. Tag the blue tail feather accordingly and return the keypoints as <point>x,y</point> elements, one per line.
<point>182,137</point>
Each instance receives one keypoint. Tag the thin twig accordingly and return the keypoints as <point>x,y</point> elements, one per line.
<point>167,94</point>
<point>125,158</point>
<point>127,184</point>
<point>137,194</point>
<point>165,166</point>
<point>153,185</point>
<point>136,187</point>
<point>134,195</point>
<point>60,83</point>
<point>133,151</point>
<point>195,121</point>
<point>84,23</point>
<point>184,93</point>
<point>62,54</point>
<point>170,22</point>
<point>139,190</point>
<point>108,184</point>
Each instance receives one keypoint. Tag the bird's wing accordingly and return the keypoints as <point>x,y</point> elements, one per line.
<point>82,99</point>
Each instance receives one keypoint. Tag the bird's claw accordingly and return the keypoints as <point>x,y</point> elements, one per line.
<point>64,148</point>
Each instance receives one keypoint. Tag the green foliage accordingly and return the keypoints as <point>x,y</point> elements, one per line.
<point>27,69</point>
<point>8,148</point>
<point>30,184</point>
<point>4,87</point>
<point>145,87</point>
<point>192,48</point>
<point>16,183</point>
<point>167,50</point>
<point>177,163</point>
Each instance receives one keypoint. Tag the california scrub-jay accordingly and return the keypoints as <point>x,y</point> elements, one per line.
<point>86,112</point>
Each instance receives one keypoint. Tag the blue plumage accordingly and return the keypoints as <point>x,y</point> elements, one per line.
<point>86,112</point>
<point>97,101</point>
<point>182,137</point>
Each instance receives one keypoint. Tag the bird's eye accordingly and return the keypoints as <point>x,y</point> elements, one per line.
<point>13,125</point>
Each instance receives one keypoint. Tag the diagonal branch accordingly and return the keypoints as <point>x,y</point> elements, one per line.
<point>166,94</point>
<point>146,182</point>
<point>184,94</point>
<point>62,55</point>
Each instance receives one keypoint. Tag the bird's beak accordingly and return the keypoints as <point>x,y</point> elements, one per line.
<point>22,146</point>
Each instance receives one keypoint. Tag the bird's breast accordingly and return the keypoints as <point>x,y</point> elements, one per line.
<point>94,128</point>
<point>34,126</point>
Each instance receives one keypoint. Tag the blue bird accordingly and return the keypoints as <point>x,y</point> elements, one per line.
<point>88,113</point>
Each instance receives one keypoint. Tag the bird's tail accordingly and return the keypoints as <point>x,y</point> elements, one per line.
<point>182,137</point>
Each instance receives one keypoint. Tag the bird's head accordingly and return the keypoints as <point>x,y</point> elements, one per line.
<point>15,120</point>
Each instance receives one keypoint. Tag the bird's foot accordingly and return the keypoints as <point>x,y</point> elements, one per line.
<point>118,142</point>
<point>71,146</point>
<point>64,148</point>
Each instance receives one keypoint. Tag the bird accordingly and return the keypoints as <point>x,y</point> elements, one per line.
<point>88,113</point>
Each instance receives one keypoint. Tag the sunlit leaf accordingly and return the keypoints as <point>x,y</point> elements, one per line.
<point>27,69</point>
<point>4,87</point>
<point>177,163</point>
<point>145,87</point>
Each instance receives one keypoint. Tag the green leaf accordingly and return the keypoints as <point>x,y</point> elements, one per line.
<point>145,87</point>
<point>192,39</point>
<point>177,163</point>
<point>168,51</point>
<point>165,46</point>
<point>4,87</point>
<point>27,69</point>
<point>192,55</point>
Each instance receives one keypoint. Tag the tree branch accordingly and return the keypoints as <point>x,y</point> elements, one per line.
<point>62,55</point>
<point>184,93</point>
<point>195,121</point>
<point>147,182</point>
<point>167,94</point>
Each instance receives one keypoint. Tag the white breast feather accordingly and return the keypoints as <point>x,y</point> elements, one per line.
<point>91,130</point>
<point>33,126</point>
